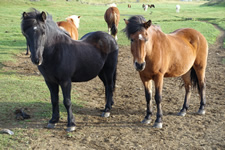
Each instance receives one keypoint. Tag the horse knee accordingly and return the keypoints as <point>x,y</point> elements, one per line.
<point>67,103</point>
<point>158,98</point>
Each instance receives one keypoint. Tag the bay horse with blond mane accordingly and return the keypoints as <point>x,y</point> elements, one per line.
<point>62,61</point>
<point>71,26</point>
<point>157,55</point>
<point>112,17</point>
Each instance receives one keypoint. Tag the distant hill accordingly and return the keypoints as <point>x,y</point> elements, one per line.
<point>215,3</point>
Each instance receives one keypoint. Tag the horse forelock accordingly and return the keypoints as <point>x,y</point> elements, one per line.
<point>134,25</point>
<point>32,18</point>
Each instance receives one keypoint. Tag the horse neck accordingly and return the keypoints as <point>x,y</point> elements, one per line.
<point>156,36</point>
<point>54,36</point>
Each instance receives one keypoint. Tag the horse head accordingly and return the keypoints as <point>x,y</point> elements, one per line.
<point>138,34</point>
<point>34,29</point>
<point>74,19</point>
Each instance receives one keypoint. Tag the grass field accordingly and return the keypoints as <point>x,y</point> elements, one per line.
<point>18,90</point>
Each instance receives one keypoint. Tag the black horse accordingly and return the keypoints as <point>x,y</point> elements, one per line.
<point>62,60</point>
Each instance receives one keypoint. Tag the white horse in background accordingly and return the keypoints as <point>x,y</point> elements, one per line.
<point>145,7</point>
<point>112,5</point>
<point>75,19</point>
<point>177,8</point>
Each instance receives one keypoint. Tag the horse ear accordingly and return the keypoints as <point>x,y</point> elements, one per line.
<point>147,24</point>
<point>43,16</point>
<point>126,21</point>
<point>70,19</point>
<point>25,15</point>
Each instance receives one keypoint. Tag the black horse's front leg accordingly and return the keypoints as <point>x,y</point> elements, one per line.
<point>66,90</point>
<point>54,91</point>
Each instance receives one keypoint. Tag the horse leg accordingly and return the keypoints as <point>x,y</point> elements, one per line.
<point>158,98</point>
<point>108,77</point>
<point>187,84</point>
<point>116,38</point>
<point>54,91</point>
<point>200,72</point>
<point>108,93</point>
<point>27,50</point>
<point>109,30</point>
<point>148,97</point>
<point>66,90</point>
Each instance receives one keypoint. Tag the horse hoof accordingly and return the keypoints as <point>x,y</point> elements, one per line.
<point>182,113</point>
<point>146,121</point>
<point>105,114</point>
<point>157,125</point>
<point>51,125</point>
<point>70,129</point>
<point>201,112</point>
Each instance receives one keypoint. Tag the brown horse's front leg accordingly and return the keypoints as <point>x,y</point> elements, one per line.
<point>148,96</point>
<point>158,98</point>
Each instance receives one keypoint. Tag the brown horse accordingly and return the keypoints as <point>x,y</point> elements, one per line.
<point>112,17</point>
<point>157,55</point>
<point>71,25</point>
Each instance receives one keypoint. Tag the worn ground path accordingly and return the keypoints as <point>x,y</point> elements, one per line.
<point>123,129</point>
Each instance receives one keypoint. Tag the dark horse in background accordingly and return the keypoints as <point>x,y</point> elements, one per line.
<point>157,55</point>
<point>62,60</point>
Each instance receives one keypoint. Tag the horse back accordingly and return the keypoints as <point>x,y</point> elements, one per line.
<point>175,53</point>
<point>102,41</point>
<point>192,37</point>
<point>195,40</point>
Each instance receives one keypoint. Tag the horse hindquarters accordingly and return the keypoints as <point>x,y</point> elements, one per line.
<point>196,77</point>
<point>108,77</point>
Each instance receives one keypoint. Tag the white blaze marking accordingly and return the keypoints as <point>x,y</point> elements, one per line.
<point>140,37</point>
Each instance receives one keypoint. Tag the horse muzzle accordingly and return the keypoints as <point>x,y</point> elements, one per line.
<point>37,61</point>
<point>139,66</point>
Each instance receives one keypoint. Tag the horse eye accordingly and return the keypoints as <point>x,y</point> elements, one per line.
<point>131,40</point>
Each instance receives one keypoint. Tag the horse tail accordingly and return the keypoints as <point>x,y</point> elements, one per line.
<point>114,28</point>
<point>194,79</point>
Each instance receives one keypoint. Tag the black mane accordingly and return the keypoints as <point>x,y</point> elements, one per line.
<point>33,18</point>
<point>135,23</point>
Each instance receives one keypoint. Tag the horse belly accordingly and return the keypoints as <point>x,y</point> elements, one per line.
<point>82,78</point>
<point>180,67</point>
<point>181,58</point>
<point>87,72</point>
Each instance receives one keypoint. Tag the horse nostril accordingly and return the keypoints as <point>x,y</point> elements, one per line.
<point>36,61</point>
<point>140,67</point>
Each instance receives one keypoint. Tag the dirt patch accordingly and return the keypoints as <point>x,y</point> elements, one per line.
<point>123,129</point>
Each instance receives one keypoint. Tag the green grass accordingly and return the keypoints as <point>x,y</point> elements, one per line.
<point>22,91</point>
